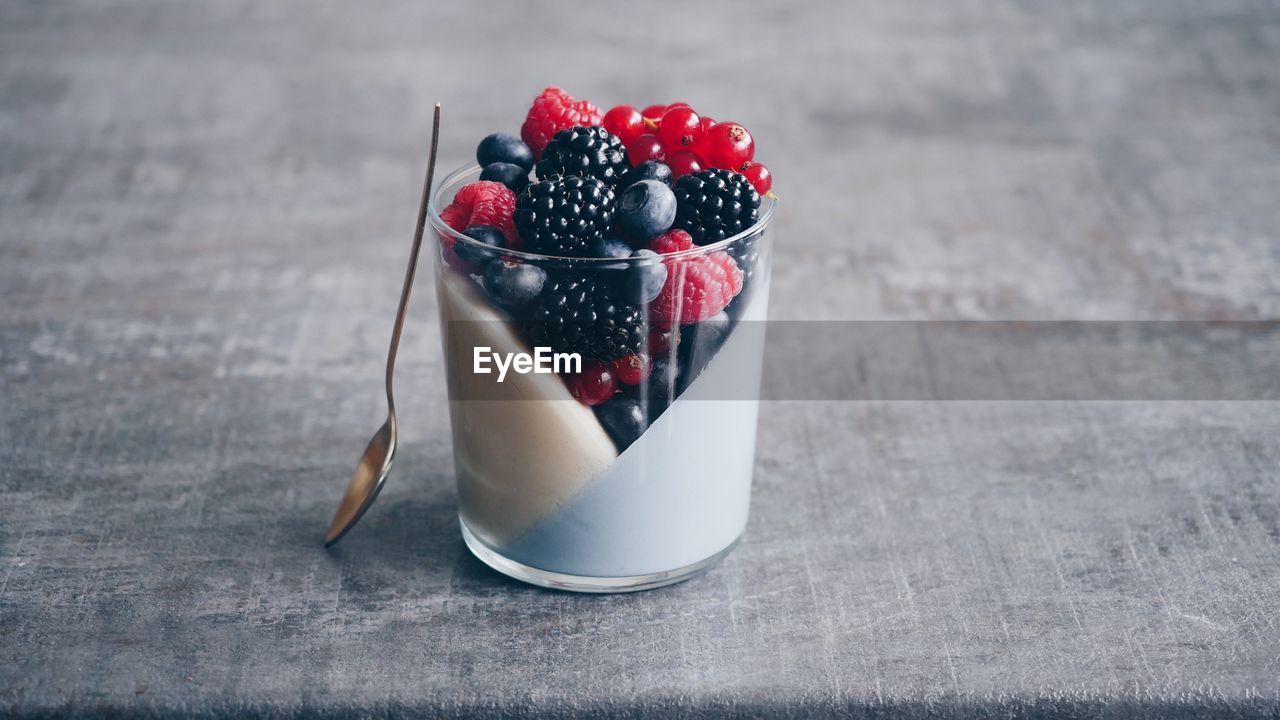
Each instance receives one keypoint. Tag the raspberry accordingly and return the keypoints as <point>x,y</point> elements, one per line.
<point>484,203</point>
<point>555,110</point>
<point>697,288</point>
<point>672,241</point>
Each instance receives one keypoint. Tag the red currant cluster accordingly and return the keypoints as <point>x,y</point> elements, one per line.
<point>598,381</point>
<point>687,142</point>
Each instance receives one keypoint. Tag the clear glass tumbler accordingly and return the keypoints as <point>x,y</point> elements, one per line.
<point>644,490</point>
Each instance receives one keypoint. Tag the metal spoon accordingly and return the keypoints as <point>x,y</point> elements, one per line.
<point>375,464</point>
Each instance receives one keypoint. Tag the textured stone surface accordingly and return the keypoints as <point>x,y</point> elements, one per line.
<point>205,212</point>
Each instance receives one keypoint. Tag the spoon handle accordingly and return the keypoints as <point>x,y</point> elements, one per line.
<point>413,260</point>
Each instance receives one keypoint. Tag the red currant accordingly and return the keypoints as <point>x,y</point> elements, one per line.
<point>646,147</point>
<point>728,145</point>
<point>704,125</point>
<point>680,127</point>
<point>632,369</point>
<point>683,162</point>
<point>653,112</point>
<point>594,384</point>
<point>624,121</point>
<point>759,176</point>
<point>659,342</point>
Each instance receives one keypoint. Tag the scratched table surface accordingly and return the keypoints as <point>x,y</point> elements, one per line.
<point>204,213</point>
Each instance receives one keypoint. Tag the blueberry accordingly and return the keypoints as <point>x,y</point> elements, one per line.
<point>475,254</point>
<point>661,385</point>
<point>513,176</point>
<point>610,248</point>
<point>623,418</point>
<point>699,343</point>
<point>644,211</point>
<point>511,283</point>
<point>646,279</point>
<point>504,148</point>
<point>647,170</point>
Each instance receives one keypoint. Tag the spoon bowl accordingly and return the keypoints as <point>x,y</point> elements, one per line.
<point>367,481</point>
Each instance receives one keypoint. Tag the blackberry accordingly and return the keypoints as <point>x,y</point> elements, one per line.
<point>746,254</point>
<point>586,152</point>
<point>564,216</point>
<point>579,314</point>
<point>715,204</point>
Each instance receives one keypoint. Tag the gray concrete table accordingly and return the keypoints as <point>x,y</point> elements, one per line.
<point>204,210</point>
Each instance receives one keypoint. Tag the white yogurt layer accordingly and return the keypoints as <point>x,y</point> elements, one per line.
<point>679,494</point>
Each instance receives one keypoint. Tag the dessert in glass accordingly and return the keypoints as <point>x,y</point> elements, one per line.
<point>602,300</point>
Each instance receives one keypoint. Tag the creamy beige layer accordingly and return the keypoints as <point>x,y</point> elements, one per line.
<point>525,453</point>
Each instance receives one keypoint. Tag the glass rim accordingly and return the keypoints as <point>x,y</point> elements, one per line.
<point>767,206</point>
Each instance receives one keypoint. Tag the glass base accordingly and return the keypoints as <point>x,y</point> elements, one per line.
<point>585,583</point>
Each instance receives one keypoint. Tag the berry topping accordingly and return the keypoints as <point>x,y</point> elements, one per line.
<point>611,248</point>
<point>594,384</point>
<point>715,204</point>
<point>697,288</point>
<point>647,170</point>
<point>704,127</point>
<point>660,341</point>
<point>564,216</point>
<point>632,369</point>
<point>759,176</point>
<point>555,110</point>
<point>644,211</point>
<point>683,162</point>
<point>624,121</point>
<point>584,151</point>
<point>581,314</point>
<point>623,418</point>
<point>680,127</point>
<point>644,148</point>
<point>504,148</point>
<point>699,343</point>
<point>487,236</point>
<point>653,112</point>
<point>513,176</point>
<point>727,145</point>
<point>672,241</point>
<point>662,384</point>
<point>511,283</point>
<point>645,280</point>
<point>483,203</point>
<point>746,253</point>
